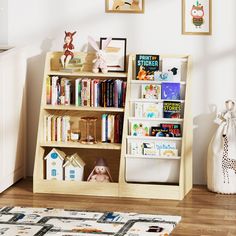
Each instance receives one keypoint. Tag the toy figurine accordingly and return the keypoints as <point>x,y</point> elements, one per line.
<point>100,172</point>
<point>68,49</point>
<point>100,61</point>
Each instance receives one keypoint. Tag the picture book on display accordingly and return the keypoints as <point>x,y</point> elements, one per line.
<point>172,66</point>
<point>148,110</point>
<point>152,148</point>
<point>146,65</point>
<point>151,91</point>
<point>139,129</point>
<point>172,109</point>
<point>170,91</point>
<point>166,130</point>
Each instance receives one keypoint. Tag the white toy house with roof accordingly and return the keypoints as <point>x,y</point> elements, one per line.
<point>54,163</point>
<point>74,168</point>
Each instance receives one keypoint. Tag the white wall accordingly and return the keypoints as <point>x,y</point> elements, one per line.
<point>3,22</point>
<point>157,31</point>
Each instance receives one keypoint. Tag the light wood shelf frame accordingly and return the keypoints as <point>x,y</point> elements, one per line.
<point>120,188</point>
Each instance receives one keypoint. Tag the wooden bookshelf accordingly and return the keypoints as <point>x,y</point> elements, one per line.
<point>88,152</point>
<point>117,155</point>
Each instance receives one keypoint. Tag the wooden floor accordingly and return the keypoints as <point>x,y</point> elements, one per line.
<point>203,213</point>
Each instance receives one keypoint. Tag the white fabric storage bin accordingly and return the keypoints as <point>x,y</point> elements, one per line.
<point>149,169</point>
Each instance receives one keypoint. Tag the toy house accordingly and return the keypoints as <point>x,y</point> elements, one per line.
<point>54,164</point>
<point>74,168</point>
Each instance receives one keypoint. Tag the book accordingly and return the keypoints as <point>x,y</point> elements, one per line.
<point>63,92</point>
<point>67,92</point>
<point>48,90</point>
<point>78,88</point>
<point>158,131</point>
<point>174,129</point>
<point>169,152</point>
<point>54,90</point>
<point>152,110</point>
<point>165,145</point>
<point>135,148</point>
<point>151,91</point>
<point>139,129</point>
<point>104,121</point>
<point>172,109</point>
<point>172,66</point>
<point>85,92</point>
<point>170,91</point>
<point>58,123</point>
<point>149,148</point>
<point>146,65</point>
<point>138,109</point>
<point>124,86</point>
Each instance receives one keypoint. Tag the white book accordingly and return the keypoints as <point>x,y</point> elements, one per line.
<point>67,92</point>
<point>172,66</point>
<point>59,129</point>
<point>109,120</point>
<point>49,128</point>
<point>54,89</point>
<point>138,109</point>
<point>103,135</point>
<point>169,152</point>
<point>45,134</point>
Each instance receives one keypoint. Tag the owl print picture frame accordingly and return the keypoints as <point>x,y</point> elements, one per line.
<point>197,17</point>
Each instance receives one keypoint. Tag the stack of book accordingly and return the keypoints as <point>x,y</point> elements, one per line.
<point>85,92</point>
<point>100,93</point>
<point>112,126</point>
<point>56,128</point>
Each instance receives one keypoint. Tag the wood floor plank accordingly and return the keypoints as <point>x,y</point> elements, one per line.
<point>203,213</point>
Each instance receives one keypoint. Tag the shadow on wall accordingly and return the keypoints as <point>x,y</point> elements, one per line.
<point>35,72</point>
<point>203,124</point>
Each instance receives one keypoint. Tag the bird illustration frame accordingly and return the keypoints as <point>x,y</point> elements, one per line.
<point>197,17</point>
<point>127,6</point>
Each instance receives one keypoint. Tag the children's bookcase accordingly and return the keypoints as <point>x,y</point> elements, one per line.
<point>116,155</point>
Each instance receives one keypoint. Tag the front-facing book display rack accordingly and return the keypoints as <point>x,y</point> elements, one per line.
<point>148,152</point>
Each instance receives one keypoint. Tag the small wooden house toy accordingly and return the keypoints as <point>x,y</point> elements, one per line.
<point>74,168</point>
<point>54,164</point>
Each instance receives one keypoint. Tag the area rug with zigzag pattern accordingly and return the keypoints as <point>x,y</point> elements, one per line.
<point>61,222</point>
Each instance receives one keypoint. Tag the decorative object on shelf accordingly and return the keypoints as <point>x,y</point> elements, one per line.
<point>88,127</point>
<point>74,168</point>
<point>68,48</point>
<point>100,172</point>
<point>74,135</point>
<point>127,6</point>
<point>115,54</point>
<point>146,66</point>
<point>197,17</point>
<point>54,164</point>
<point>100,61</point>
<point>221,160</point>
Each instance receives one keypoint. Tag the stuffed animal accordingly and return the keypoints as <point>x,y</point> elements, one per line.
<point>100,61</point>
<point>68,49</point>
<point>100,172</point>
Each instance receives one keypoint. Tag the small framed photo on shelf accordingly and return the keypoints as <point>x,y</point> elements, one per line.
<point>115,54</point>
<point>197,17</point>
<point>128,6</point>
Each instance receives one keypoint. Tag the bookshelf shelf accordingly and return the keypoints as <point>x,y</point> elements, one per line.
<point>154,100</point>
<point>99,145</point>
<point>84,108</point>
<point>152,138</point>
<point>156,119</point>
<point>153,82</point>
<point>153,157</point>
<point>88,74</point>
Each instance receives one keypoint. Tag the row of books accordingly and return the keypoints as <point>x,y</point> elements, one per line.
<point>165,109</point>
<point>56,128</point>
<point>85,92</point>
<point>148,68</point>
<point>164,91</point>
<point>152,148</point>
<point>141,129</point>
<point>112,127</point>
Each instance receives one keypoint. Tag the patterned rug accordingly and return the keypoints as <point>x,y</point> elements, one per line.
<point>59,222</point>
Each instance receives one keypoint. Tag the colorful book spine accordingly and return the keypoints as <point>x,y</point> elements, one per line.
<point>67,92</point>
<point>62,98</point>
<point>85,92</point>
<point>104,121</point>
<point>78,89</point>
<point>54,90</point>
<point>48,90</point>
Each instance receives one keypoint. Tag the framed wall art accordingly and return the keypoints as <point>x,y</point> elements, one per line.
<point>125,6</point>
<point>197,17</point>
<point>115,54</point>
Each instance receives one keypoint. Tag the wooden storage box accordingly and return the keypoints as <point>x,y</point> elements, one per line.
<point>150,169</point>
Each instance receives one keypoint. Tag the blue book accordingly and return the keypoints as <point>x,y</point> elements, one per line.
<point>170,91</point>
